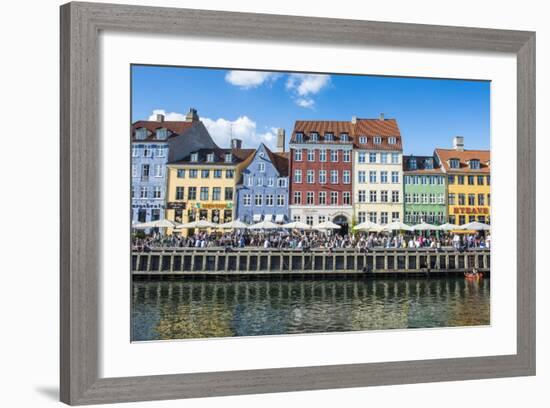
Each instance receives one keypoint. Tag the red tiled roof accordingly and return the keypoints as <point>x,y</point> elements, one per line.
<point>280,161</point>
<point>175,127</point>
<point>484,157</point>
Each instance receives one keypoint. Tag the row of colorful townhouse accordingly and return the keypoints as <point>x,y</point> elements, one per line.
<point>346,172</point>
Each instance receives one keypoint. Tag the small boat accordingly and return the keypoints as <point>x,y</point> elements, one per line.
<point>474,275</point>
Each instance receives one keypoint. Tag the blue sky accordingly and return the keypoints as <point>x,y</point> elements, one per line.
<point>253,104</point>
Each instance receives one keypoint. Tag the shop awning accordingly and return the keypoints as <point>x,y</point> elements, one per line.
<point>257,217</point>
<point>279,218</point>
<point>268,217</point>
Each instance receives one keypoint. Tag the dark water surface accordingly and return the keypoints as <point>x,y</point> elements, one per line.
<point>182,309</point>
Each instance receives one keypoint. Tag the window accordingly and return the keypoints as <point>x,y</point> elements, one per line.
<point>362,139</point>
<point>228,194</point>
<point>372,216</point>
<point>454,163</point>
<point>383,158</point>
<point>269,200</point>
<point>429,164</point>
<point>362,197</point>
<point>451,179</point>
<point>474,164</point>
<point>145,170</point>
<point>281,200</point>
<point>346,156</point>
<point>270,182</point>
<point>299,137</point>
<point>321,219</point>
<point>160,151</point>
<point>309,219</point>
<point>309,198</point>
<point>460,179</point>
<point>395,177</point>
<point>377,140</point>
<point>296,218</point>
<point>416,198</point>
<point>395,196</point>
<point>383,177</point>
<point>471,180</point>
<point>346,178</point>
<point>383,217</point>
<point>334,156</point>
<point>247,200</point>
<point>395,158</point>
<point>250,181</point>
<point>157,193</point>
<point>322,197</point>
<point>392,140</point>
<point>361,157</point>
<point>322,155</point>
<point>334,197</point>
<point>258,200</point>
<point>310,177</point>
<point>210,157</point>
<point>462,219</point>
<point>346,198</point>
<point>412,164</point>
<point>344,137</point>
<point>480,180</point>
<point>181,173</point>
<point>298,155</point>
<point>408,198</point>
<point>384,196</point>
<point>334,176</point>
<point>361,176</point>
<point>133,192</point>
<point>488,180</point>
<point>432,198</point>
<point>194,157</point>
<point>135,152</point>
<point>372,176</point>
<point>310,155</point>
<point>141,134</point>
<point>205,174</point>
<point>452,219</point>
<point>216,193</point>
<point>146,152</point>
<point>192,193</point>
<point>260,181</point>
<point>361,217</point>
<point>297,176</point>
<point>471,199</point>
<point>451,199</point>
<point>329,137</point>
<point>134,170</point>
<point>432,179</point>
<point>217,173</point>
<point>462,199</point>
<point>297,197</point>
<point>322,176</point>
<point>372,196</point>
<point>441,198</point>
<point>372,157</point>
<point>314,136</point>
<point>423,180</point>
<point>229,174</point>
<point>228,158</point>
<point>480,199</point>
<point>204,193</point>
<point>179,193</point>
<point>395,216</point>
<point>281,182</point>
<point>261,167</point>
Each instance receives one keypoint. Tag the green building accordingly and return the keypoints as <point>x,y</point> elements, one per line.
<point>424,189</point>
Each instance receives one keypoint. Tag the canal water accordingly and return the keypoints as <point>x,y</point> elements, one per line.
<point>183,309</point>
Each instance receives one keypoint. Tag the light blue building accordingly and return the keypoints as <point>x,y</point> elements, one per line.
<point>154,144</point>
<point>263,191</point>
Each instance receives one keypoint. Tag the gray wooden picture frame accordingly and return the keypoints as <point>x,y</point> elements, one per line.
<point>81,24</point>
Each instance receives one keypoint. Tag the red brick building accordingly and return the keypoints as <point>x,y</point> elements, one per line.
<point>321,157</point>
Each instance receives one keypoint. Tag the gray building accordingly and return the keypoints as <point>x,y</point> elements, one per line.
<point>154,144</point>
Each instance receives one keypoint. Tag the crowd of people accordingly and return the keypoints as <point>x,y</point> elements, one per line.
<point>309,240</point>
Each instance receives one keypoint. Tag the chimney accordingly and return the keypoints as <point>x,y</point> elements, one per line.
<point>354,120</point>
<point>458,143</point>
<point>281,140</point>
<point>160,117</point>
<point>236,143</point>
<point>192,116</point>
<point>382,116</point>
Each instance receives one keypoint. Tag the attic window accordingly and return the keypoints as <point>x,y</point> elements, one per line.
<point>412,164</point>
<point>429,164</point>
<point>299,137</point>
<point>362,139</point>
<point>377,140</point>
<point>474,164</point>
<point>194,157</point>
<point>344,137</point>
<point>141,133</point>
<point>228,157</point>
<point>454,163</point>
<point>314,136</point>
<point>210,157</point>
<point>329,137</point>
<point>392,140</point>
<point>162,134</point>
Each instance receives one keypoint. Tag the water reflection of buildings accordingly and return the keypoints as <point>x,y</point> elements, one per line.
<point>183,309</point>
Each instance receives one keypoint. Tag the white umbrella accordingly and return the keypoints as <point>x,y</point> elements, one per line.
<point>297,225</point>
<point>447,227</point>
<point>367,226</point>
<point>327,225</point>
<point>396,226</point>
<point>476,226</point>
<point>199,224</point>
<point>424,226</point>
<point>158,224</point>
<point>236,224</point>
<point>264,225</point>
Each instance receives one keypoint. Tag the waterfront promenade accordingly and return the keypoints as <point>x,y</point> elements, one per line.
<point>217,261</point>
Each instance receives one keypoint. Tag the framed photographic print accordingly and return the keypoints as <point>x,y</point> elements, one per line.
<point>350,199</point>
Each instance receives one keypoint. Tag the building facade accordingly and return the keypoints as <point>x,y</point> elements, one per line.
<point>378,171</point>
<point>202,185</point>
<point>263,192</point>
<point>321,173</point>
<point>154,144</point>
<point>425,190</point>
<point>468,175</point>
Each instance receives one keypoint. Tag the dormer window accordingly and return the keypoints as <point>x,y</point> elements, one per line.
<point>210,157</point>
<point>474,164</point>
<point>392,140</point>
<point>429,164</point>
<point>162,134</point>
<point>329,137</point>
<point>454,163</point>
<point>377,140</point>
<point>299,137</point>
<point>141,134</point>
<point>412,164</point>
<point>228,157</point>
<point>344,137</point>
<point>314,136</point>
<point>194,157</point>
<point>363,139</point>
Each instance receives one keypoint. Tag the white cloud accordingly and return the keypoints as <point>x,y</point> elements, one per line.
<point>305,85</point>
<point>242,128</point>
<point>305,102</point>
<point>249,79</point>
<point>167,116</point>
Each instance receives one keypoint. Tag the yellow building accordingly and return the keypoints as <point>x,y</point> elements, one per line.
<point>468,183</point>
<point>202,185</point>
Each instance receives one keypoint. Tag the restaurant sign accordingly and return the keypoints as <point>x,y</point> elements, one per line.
<point>471,210</point>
